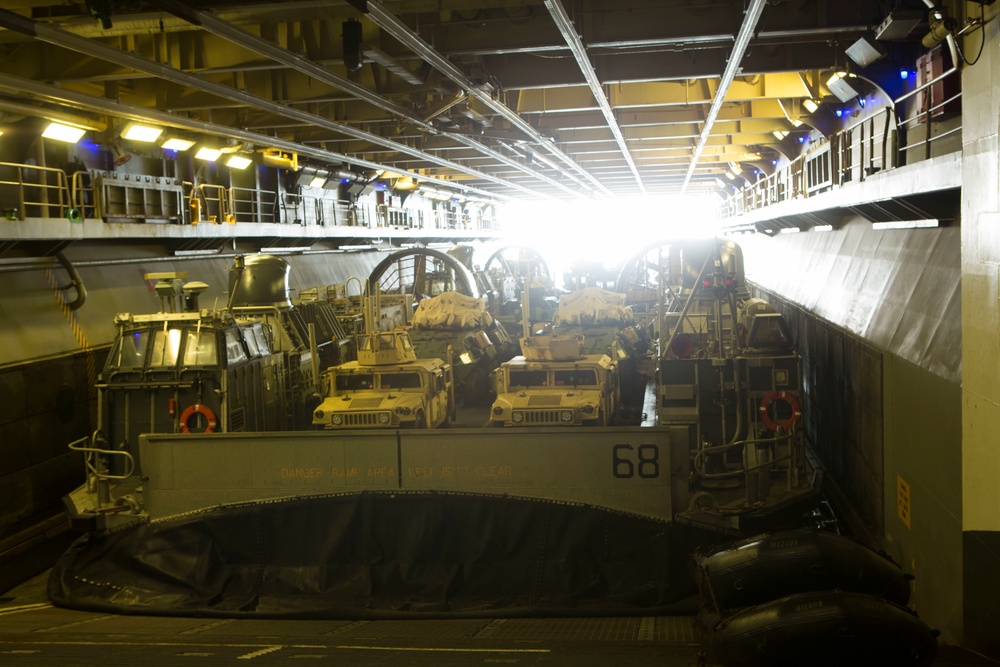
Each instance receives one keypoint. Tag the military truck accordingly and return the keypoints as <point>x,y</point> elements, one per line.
<point>387,387</point>
<point>555,384</point>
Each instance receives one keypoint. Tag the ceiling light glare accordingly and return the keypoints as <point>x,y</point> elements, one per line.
<point>789,230</point>
<point>810,106</point>
<point>317,182</point>
<point>61,132</point>
<point>176,144</point>
<point>208,154</point>
<point>144,133</point>
<point>238,162</point>
<point>780,134</point>
<point>906,224</point>
<point>823,228</point>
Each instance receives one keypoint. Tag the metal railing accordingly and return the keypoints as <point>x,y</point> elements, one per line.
<point>253,205</point>
<point>29,191</point>
<point>875,143</point>
<point>97,465</point>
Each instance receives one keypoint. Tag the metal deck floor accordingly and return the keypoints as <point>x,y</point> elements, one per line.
<point>33,633</point>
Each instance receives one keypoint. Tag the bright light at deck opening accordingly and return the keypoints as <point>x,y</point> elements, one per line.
<point>605,232</point>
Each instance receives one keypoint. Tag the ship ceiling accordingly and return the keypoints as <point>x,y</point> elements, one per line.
<point>507,98</point>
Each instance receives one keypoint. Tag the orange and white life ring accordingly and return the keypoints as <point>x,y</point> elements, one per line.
<point>198,409</point>
<point>765,412</point>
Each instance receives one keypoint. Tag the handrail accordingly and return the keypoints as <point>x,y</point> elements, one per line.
<point>26,190</point>
<point>92,463</point>
<point>850,155</point>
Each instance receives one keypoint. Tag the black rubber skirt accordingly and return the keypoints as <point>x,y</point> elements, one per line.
<point>384,555</point>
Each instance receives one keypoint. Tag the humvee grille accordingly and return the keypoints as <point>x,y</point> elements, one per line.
<point>541,417</point>
<point>361,419</point>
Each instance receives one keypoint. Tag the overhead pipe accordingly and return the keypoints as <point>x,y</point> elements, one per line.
<point>58,37</point>
<point>248,40</point>
<point>140,114</point>
<point>753,13</point>
<point>76,282</point>
<point>53,115</point>
<point>415,43</point>
<point>565,26</point>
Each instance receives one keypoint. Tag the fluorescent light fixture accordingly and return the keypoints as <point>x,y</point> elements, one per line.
<point>780,134</point>
<point>436,195</point>
<point>406,183</point>
<point>823,228</point>
<point>810,106</point>
<point>144,133</point>
<point>865,51</point>
<point>796,122</point>
<point>317,182</point>
<point>839,86</point>
<point>906,224</point>
<point>238,162</point>
<point>789,230</point>
<point>197,252</point>
<point>284,250</point>
<point>209,154</point>
<point>735,169</point>
<point>61,132</point>
<point>176,144</point>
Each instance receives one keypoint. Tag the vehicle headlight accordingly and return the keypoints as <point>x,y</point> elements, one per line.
<point>566,415</point>
<point>498,410</point>
<point>319,414</point>
<point>402,410</point>
<point>383,418</point>
<point>337,419</point>
<point>586,409</point>
<point>517,417</point>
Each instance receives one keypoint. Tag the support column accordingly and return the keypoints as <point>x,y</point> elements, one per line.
<point>981,336</point>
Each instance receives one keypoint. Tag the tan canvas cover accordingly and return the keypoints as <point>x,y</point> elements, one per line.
<point>451,310</point>
<point>592,305</point>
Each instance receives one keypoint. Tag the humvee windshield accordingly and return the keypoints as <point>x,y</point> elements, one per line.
<point>525,378</point>
<point>355,382</point>
<point>575,378</point>
<point>400,380</point>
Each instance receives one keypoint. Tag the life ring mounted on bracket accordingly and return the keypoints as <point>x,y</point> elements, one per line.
<point>765,411</point>
<point>198,409</point>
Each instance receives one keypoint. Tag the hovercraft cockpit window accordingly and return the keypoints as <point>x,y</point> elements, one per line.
<point>165,346</point>
<point>131,350</point>
<point>200,349</point>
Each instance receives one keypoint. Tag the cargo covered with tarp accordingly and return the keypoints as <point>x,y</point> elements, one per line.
<point>452,310</point>
<point>592,305</point>
<point>382,555</point>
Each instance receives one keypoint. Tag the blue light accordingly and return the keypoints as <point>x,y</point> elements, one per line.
<point>774,162</point>
<point>345,180</point>
<point>802,140</point>
<point>756,172</point>
<point>904,74</point>
<point>862,101</point>
<point>840,112</point>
